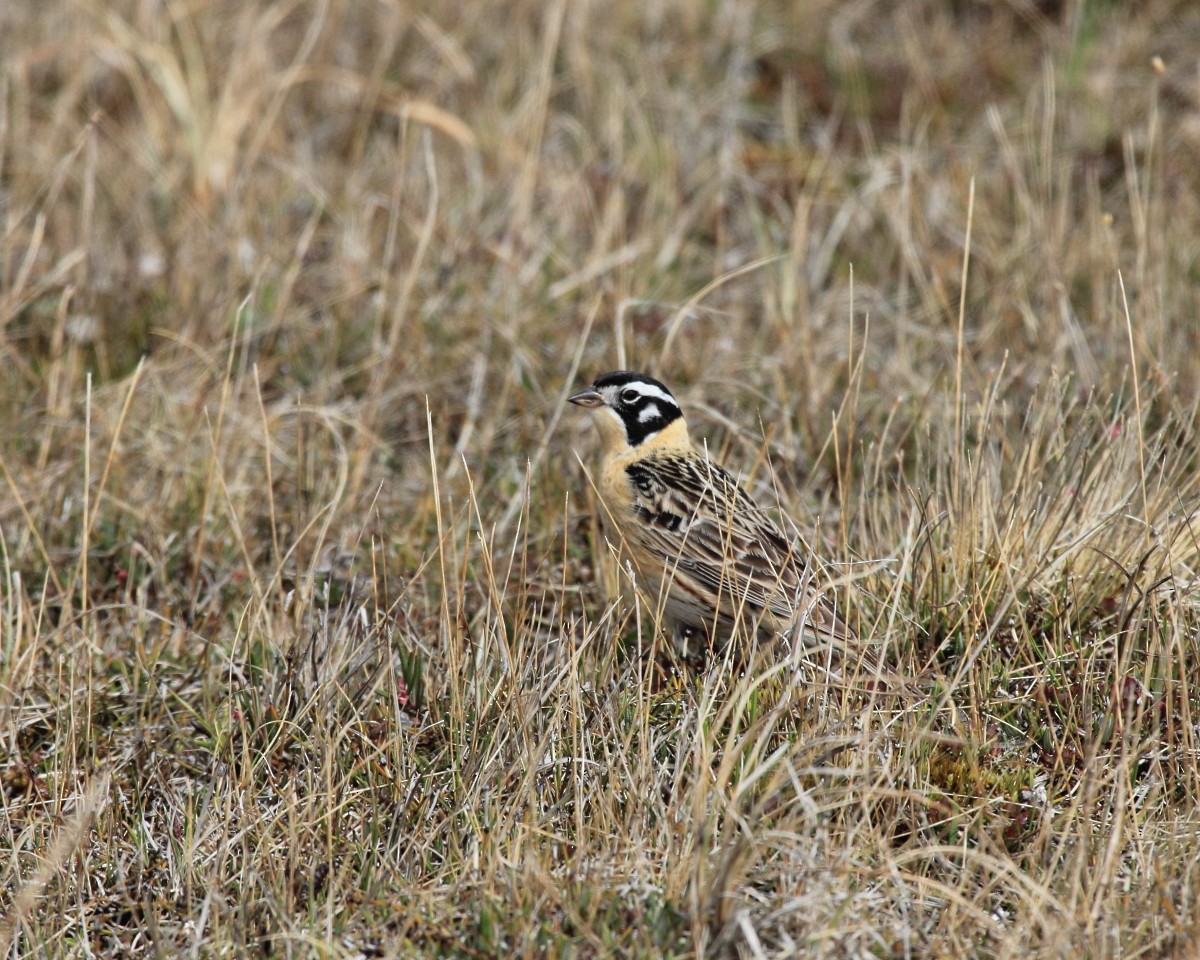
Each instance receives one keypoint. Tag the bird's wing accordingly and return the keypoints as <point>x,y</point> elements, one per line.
<point>701,524</point>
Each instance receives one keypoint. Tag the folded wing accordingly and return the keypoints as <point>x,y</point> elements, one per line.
<point>704,528</point>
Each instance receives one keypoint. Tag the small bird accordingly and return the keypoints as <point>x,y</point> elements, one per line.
<point>715,563</point>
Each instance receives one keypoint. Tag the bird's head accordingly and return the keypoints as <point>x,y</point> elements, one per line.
<point>632,409</point>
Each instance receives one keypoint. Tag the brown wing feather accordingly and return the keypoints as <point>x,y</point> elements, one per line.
<point>700,523</point>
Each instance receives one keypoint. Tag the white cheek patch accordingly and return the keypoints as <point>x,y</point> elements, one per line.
<point>649,412</point>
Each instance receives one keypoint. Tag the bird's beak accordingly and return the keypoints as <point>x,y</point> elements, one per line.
<point>587,398</point>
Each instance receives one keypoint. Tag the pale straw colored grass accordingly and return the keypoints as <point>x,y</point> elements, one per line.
<point>311,642</point>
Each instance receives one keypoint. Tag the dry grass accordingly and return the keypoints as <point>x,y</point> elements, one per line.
<point>311,641</point>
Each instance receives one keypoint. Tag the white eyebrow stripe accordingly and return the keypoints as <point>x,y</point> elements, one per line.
<point>650,390</point>
<point>649,412</point>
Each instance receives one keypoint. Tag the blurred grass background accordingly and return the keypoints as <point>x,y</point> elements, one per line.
<point>312,642</point>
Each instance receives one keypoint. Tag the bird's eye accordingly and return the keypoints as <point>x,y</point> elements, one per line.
<point>629,397</point>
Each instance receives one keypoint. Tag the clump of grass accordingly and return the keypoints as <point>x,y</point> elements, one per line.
<point>310,634</point>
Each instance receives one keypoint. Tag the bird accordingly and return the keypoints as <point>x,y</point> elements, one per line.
<point>713,561</point>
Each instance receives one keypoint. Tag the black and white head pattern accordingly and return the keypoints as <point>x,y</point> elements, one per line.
<point>642,404</point>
